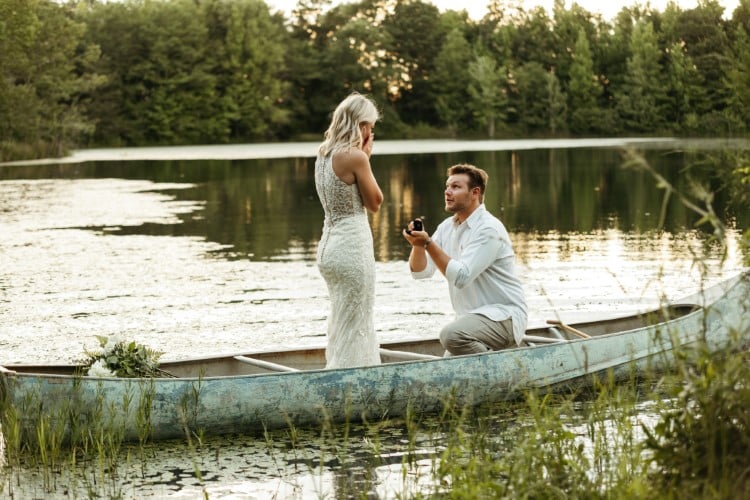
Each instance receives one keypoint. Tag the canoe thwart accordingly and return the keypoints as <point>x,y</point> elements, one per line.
<point>556,333</point>
<point>542,340</point>
<point>406,355</point>
<point>568,328</point>
<point>265,364</point>
<point>6,371</point>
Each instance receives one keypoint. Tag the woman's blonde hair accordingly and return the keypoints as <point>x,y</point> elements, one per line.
<point>344,131</point>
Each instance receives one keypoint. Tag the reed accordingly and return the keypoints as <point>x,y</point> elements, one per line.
<point>545,446</point>
<point>701,443</point>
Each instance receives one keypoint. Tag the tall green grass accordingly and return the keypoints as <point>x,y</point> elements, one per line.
<point>701,444</point>
<point>597,445</point>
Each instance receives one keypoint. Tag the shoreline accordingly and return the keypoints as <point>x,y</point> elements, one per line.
<point>307,149</point>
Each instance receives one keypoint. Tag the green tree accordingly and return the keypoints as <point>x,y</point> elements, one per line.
<point>199,71</point>
<point>44,78</point>
<point>311,89</point>
<point>738,77</point>
<point>416,34</point>
<point>160,88</point>
<point>702,30</point>
<point>450,81</point>
<point>360,48</point>
<point>114,27</point>
<point>533,39</point>
<point>539,99</point>
<point>567,27</point>
<point>556,104</point>
<point>641,101</point>
<point>19,28</point>
<point>583,89</point>
<point>351,52</point>
<point>498,31</point>
<point>246,47</point>
<point>489,98</point>
<point>185,72</point>
<point>176,98</point>
<point>610,55</point>
<point>685,88</point>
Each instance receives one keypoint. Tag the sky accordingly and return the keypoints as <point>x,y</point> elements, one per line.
<point>477,8</point>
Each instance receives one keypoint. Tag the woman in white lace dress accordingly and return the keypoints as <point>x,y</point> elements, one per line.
<point>347,189</point>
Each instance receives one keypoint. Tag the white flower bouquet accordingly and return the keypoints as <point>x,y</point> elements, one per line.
<point>119,358</point>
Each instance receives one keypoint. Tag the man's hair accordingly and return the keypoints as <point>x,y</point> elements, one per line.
<point>477,176</point>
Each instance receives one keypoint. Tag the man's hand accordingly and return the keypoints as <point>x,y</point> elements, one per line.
<point>418,255</point>
<point>415,238</point>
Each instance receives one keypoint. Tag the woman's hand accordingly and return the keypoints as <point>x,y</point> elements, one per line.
<point>368,136</point>
<point>367,143</point>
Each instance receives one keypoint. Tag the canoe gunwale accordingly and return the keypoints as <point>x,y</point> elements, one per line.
<point>694,309</point>
<point>48,373</point>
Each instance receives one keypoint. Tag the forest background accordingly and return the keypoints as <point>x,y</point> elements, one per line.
<point>88,73</point>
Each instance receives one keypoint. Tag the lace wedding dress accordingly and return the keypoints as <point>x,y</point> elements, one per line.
<point>347,263</point>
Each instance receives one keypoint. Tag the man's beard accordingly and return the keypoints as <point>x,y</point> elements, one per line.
<point>454,208</point>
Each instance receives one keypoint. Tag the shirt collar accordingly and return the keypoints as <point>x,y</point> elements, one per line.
<point>470,219</point>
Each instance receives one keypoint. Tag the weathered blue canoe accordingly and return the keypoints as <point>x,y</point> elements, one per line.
<point>249,392</point>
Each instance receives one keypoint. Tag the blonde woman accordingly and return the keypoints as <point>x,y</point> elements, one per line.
<point>347,189</point>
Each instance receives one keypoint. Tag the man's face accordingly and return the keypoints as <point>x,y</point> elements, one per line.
<point>458,195</point>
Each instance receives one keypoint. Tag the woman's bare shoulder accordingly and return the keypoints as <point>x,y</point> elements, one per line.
<point>353,155</point>
<point>350,161</point>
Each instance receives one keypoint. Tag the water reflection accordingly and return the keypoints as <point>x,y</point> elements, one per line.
<point>258,209</point>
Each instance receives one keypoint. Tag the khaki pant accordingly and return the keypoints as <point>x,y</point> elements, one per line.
<point>474,334</point>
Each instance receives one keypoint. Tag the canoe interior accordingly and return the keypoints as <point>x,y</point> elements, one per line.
<point>314,358</point>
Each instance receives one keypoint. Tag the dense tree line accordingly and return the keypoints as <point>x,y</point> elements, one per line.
<point>147,72</point>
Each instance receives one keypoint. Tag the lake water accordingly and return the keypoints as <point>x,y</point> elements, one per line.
<point>211,249</point>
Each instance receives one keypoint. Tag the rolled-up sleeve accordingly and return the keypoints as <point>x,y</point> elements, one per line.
<point>427,272</point>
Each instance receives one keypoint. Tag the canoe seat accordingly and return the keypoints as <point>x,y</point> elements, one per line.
<point>405,355</point>
<point>266,364</point>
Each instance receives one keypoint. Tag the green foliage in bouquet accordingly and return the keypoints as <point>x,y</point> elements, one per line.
<point>122,359</point>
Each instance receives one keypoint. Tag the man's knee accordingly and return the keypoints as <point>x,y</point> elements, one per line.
<point>446,335</point>
<point>474,334</point>
<point>457,339</point>
<point>451,338</point>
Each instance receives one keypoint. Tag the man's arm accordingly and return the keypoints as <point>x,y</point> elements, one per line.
<point>421,245</point>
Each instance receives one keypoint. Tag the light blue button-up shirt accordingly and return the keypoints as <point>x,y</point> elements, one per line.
<point>481,274</point>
